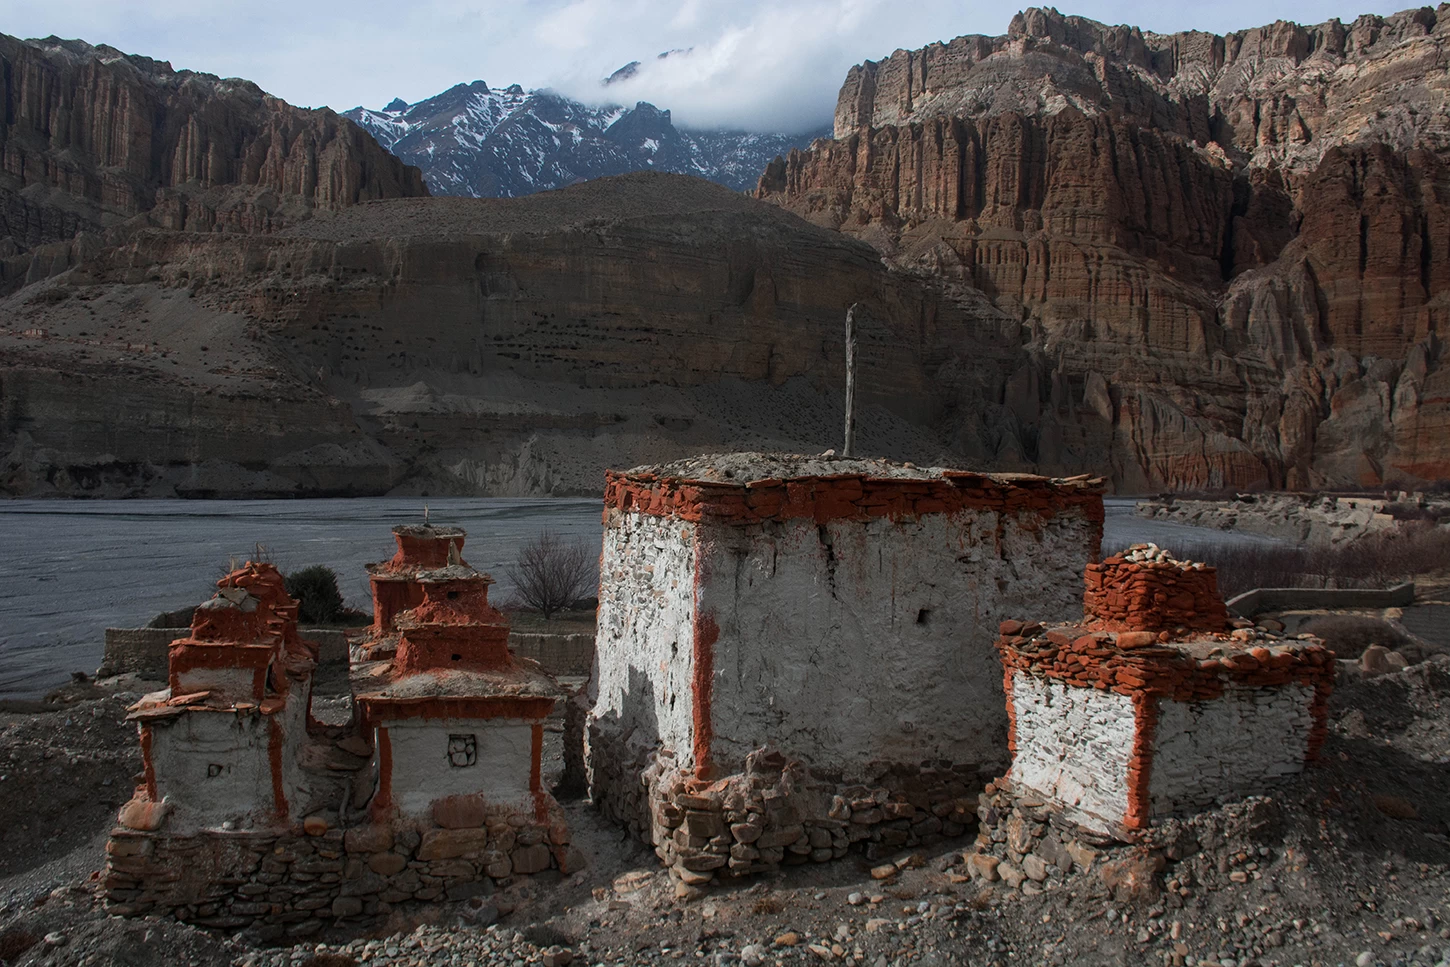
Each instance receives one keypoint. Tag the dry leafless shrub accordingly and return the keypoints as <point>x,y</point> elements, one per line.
<point>767,906</point>
<point>552,573</point>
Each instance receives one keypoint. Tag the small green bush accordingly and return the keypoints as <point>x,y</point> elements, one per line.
<point>315,590</point>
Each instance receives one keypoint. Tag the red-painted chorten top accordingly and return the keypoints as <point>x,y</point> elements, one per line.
<point>441,645</point>
<point>243,651</point>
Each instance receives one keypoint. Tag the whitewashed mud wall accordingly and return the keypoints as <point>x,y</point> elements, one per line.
<point>643,662</point>
<point>854,641</point>
<point>1073,746</point>
<point>1235,744</point>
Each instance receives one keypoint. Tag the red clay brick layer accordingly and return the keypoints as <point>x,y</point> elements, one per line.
<point>454,627</point>
<point>848,496</point>
<point>1128,596</point>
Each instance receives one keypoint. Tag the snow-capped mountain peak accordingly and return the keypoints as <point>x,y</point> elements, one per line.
<point>483,142</point>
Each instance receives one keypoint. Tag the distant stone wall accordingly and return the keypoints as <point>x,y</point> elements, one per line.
<point>143,651</point>
<point>560,655</point>
<point>1258,600</point>
<point>138,651</point>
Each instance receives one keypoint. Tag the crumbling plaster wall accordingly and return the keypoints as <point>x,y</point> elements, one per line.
<point>1234,744</point>
<point>1073,746</point>
<point>856,641</point>
<point>243,748</point>
<point>422,772</point>
<point>645,631</point>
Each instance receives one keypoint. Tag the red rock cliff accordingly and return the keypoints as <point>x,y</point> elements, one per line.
<point>1229,251</point>
<point>92,137</point>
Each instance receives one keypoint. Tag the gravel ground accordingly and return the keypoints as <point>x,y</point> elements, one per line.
<point>1348,864</point>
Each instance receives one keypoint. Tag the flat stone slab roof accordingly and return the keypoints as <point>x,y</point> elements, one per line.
<point>745,467</point>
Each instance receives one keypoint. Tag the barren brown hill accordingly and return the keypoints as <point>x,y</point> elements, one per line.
<point>1260,217</point>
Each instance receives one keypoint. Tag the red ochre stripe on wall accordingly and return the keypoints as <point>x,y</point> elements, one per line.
<point>1140,761</point>
<point>850,496</point>
<point>275,743</point>
<point>148,767</point>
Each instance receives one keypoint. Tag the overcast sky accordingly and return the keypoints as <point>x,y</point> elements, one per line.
<point>755,64</point>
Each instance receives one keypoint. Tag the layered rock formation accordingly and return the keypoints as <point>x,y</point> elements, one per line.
<point>1263,214</point>
<point>92,137</point>
<point>1186,261</point>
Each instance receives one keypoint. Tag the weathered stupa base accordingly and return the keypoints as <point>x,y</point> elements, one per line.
<point>776,813</point>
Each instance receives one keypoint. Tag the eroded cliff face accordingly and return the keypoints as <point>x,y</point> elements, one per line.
<point>488,346</point>
<point>1230,253</point>
<point>92,137</point>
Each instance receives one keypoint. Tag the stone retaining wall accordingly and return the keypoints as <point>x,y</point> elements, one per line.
<point>559,655</point>
<point>138,651</point>
<point>775,812</point>
<point>292,883</point>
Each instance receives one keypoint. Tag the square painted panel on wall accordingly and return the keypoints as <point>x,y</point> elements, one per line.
<point>462,750</point>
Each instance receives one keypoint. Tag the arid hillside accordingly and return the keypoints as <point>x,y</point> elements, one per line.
<point>93,139</point>
<point>481,346</point>
<point>1231,254</point>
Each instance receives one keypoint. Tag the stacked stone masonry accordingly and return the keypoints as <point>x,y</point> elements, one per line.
<point>793,654</point>
<point>1142,590</point>
<point>252,813</point>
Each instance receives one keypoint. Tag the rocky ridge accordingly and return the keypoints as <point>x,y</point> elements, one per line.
<point>481,142</point>
<point>1260,212</point>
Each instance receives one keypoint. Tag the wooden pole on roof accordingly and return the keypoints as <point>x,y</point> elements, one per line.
<point>850,379</point>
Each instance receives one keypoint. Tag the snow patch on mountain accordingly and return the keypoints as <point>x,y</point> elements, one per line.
<point>482,142</point>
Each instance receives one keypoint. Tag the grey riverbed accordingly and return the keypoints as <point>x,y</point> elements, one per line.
<point>71,569</point>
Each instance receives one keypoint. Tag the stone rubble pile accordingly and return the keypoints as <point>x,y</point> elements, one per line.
<point>1145,589</point>
<point>776,813</point>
